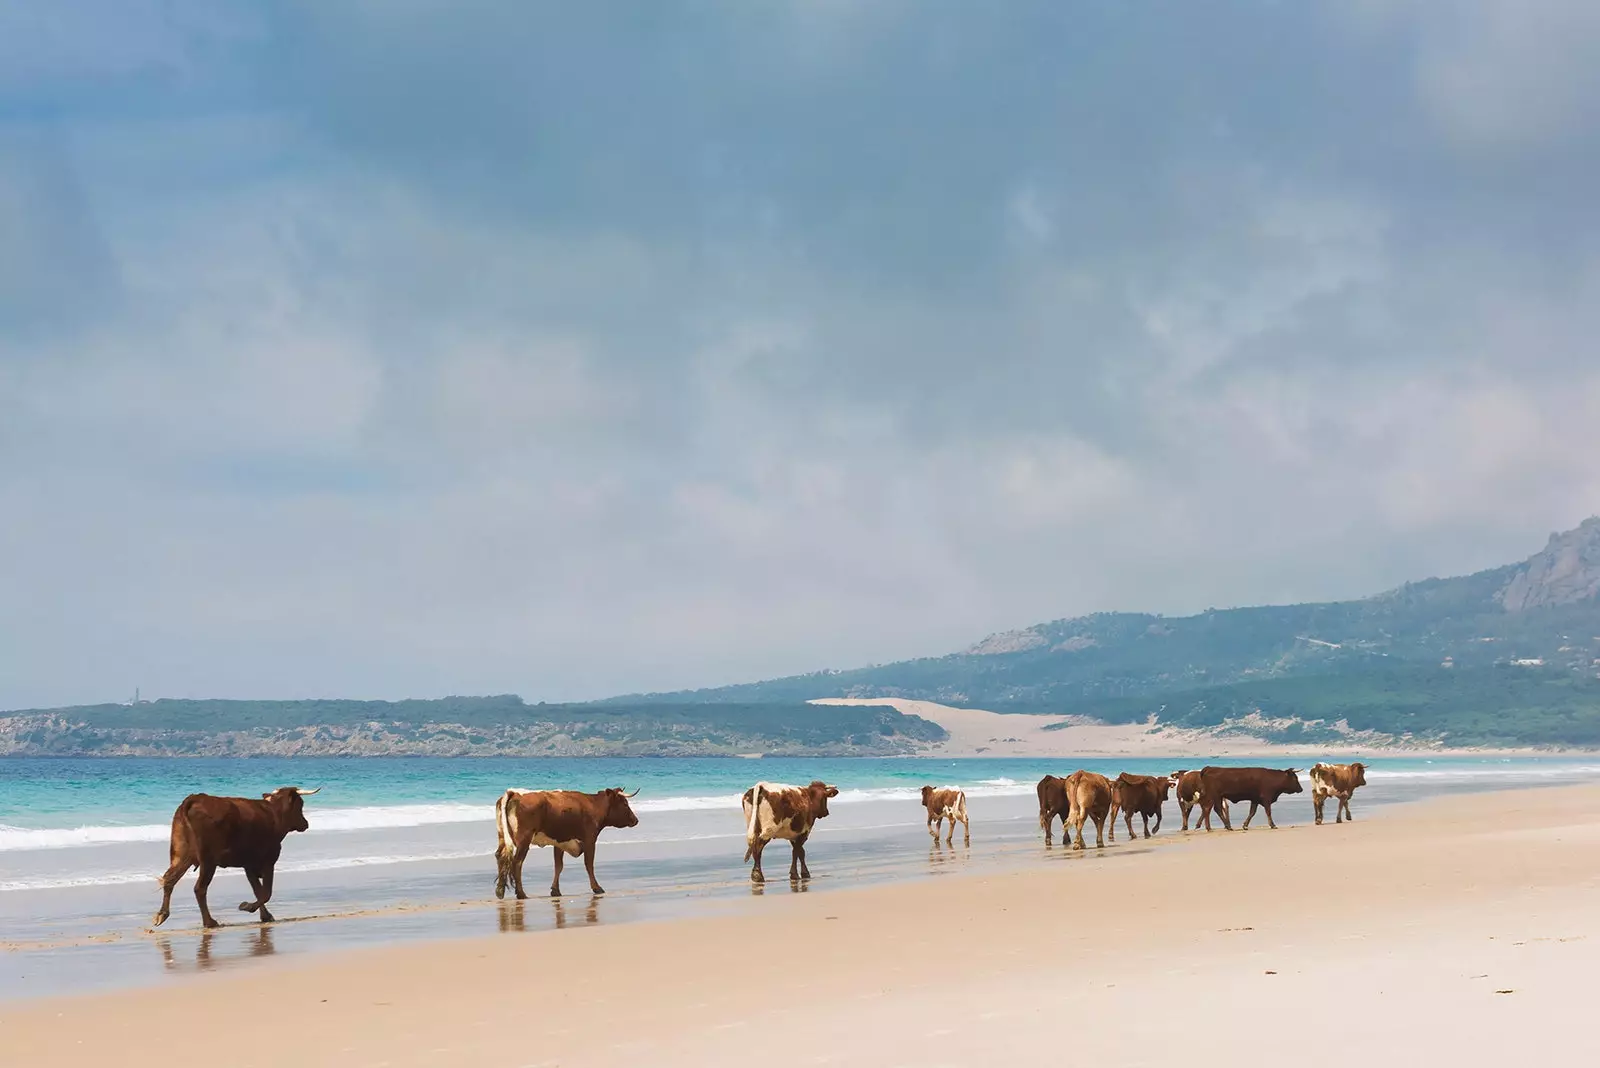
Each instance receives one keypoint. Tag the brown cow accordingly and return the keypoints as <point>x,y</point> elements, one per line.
<point>1143,794</point>
<point>567,819</point>
<point>231,832</point>
<point>1053,802</point>
<point>946,803</point>
<point>1339,781</point>
<point>1089,793</point>
<point>1187,785</point>
<point>1259,786</point>
<point>774,810</point>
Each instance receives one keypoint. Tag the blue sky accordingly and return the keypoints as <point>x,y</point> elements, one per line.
<point>410,348</point>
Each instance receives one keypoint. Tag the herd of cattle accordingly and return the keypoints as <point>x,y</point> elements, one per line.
<point>236,832</point>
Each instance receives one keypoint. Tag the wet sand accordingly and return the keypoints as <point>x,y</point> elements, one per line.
<point>1461,930</point>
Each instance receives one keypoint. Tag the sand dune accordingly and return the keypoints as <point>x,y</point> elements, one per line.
<point>1460,931</point>
<point>976,732</point>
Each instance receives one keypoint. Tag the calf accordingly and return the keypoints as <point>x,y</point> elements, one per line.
<point>566,819</point>
<point>1089,794</point>
<point>946,803</point>
<point>1337,781</point>
<point>231,832</point>
<point>1259,786</point>
<point>1143,794</point>
<point>1053,803</point>
<point>773,810</point>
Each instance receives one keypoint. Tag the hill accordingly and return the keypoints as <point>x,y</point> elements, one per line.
<point>1505,656</point>
<point>460,726</point>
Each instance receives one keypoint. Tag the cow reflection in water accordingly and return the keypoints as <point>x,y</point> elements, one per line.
<point>796,886</point>
<point>514,915</point>
<point>258,944</point>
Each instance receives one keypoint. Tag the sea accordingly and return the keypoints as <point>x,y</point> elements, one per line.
<point>401,849</point>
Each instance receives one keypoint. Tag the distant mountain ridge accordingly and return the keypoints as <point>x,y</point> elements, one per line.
<point>1516,649</point>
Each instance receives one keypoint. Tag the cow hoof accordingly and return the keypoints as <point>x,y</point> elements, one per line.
<point>554,892</point>
<point>757,877</point>
<point>500,893</point>
<point>247,906</point>
<point>596,890</point>
<point>160,918</point>
<point>267,917</point>
<point>210,925</point>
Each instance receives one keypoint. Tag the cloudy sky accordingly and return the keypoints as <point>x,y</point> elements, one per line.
<point>377,348</point>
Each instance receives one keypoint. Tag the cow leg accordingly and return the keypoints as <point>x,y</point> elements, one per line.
<point>933,827</point>
<point>201,883</point>
<point>515,865</point>
<point>169,879</point>
<point>950,838</point>
<point>1146,817</point>
<point>588,866</point>
<point>1344,805</point>
<point>261,886</point>
<point>1158,822</point>
<point>1099,828</point>
<point>1252,815</point>
<point>1317,801</point>
<point>966,830</point>
<point>756,874</point>
<point>1077,825</point>
<point>1205,816</point>
<point>798,856</point>
<point>1270,825</point>
<point>1049,824</point>
<point>1183,810</point>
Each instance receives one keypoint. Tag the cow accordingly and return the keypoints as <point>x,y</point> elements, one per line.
<point>1143,794</point>
<point>1089,794</point>
<point>946,803</point>
<point>231,832</point>
<point>1259,786</point>
<point>1338,781</point>
<point>1054,801</point>
<point>1187,786</point>
<point>774,810</point>
<point>569,820</point>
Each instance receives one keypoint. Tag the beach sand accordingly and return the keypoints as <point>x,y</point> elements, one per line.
<point>1462,930</point>
<point>979,732</point>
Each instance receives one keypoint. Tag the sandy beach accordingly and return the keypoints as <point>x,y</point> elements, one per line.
<point>980,732</point>
<point>1455,930</point>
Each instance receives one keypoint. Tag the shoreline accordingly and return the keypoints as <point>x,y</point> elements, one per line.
<point>1415,916</point>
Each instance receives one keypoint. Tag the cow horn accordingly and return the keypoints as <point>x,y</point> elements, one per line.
<point>634,794</point>
<point>304,792</point>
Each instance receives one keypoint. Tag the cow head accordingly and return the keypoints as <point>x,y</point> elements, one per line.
<point>289,803</point>
<point>820,792</point>
<point>1166,788</point>
<point>927,794</point>
<point>1358,774</point>
<point>618,812</point>
<point>1292,782</point>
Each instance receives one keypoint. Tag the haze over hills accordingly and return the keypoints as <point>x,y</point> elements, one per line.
<point>1507,656</point>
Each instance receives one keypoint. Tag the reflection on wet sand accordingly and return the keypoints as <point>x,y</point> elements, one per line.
<point>259,945</point>
<point>796,886</point>
<point>513,915</point>
<point>943,858</point>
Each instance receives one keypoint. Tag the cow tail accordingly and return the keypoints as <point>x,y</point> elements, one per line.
<point>753,823</point>
<point>961,805</point>
<point>505,817</point>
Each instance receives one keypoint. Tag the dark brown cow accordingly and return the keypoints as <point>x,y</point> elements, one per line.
<point>1259,786</point>
<point>946,803</point>
<point>1053,802</point>
<point>231,832</point>
<point>1339,781</point>
<point>774,810</point>
<point>1142,794</point>
<point>1089,793</point>
<point>567,819</point>
<point>1187,786</point>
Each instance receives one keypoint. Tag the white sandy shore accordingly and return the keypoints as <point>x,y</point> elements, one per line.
<point>1461,931</point>
<point>977,732</point>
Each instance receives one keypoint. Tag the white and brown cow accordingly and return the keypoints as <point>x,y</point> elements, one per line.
<point>1338,781</point>
<point>1186,784</point>
<point>775,810</point>
<point>946,803</point>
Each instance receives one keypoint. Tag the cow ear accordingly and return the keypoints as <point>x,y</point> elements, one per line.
<point>266,797</point>
<point>833,791</point>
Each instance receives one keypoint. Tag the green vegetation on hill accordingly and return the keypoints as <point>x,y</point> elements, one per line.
<point>457,726</point>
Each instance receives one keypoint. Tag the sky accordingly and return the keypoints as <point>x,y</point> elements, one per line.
<point>385,348</point>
